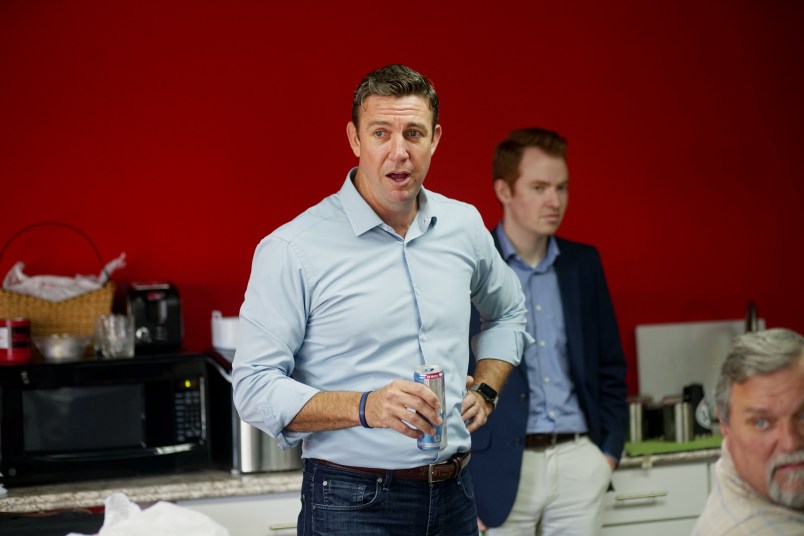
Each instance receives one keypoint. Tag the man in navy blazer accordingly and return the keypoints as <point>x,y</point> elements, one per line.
<point>546,455</point>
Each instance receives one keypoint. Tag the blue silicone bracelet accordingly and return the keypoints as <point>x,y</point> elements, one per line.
<point>362,409</point>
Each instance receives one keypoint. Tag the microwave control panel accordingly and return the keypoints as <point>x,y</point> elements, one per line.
<point>188,406</point>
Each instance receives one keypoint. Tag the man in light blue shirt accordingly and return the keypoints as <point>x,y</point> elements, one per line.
<point>348,298</point>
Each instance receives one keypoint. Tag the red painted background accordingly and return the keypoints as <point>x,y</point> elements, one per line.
<point>181,132</point>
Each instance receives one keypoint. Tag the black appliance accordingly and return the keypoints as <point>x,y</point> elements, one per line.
<point>156,309</point>
<point>654,422</point>
<point>103,418</point>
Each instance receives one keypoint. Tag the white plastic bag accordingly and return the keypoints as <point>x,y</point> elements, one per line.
<point>125,518</point>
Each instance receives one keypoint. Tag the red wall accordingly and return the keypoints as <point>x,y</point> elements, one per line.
<point>182,132</point>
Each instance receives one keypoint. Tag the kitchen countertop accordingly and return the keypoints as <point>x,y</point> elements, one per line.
<point>647,461</point>
<point>148,489</point>
<point>210,484</point>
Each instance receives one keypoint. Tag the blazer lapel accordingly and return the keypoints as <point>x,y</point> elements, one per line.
<point>569,286</point>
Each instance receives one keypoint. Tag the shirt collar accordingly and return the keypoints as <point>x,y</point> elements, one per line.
<point>363,218</point>
<point>508,251</point>
<point>734,476</point>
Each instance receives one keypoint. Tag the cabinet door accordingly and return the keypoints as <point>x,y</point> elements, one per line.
<point>677,527</point>
<point>658,493</point>
<point>258,515</point>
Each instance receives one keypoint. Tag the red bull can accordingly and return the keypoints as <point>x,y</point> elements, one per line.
<point>433,377</point>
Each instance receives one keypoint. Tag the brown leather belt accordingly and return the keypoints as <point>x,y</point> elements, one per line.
<point>543,441</point>
<point>435,472</point>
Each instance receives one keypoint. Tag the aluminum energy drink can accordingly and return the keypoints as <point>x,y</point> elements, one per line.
<point>15,340</point>
<point>433,377</point>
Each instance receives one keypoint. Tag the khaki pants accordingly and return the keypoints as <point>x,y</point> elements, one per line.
<point>561,491</point>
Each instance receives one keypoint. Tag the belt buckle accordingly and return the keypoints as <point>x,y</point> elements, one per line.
<point>455,461</point>
<point>430,473</point>
<point>430,470</point>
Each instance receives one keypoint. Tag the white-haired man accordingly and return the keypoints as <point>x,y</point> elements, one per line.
<point>759,487</point>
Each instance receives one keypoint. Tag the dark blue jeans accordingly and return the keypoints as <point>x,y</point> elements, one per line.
<point>337,502</point>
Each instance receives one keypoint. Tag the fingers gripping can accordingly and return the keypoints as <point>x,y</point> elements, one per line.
<point>433,377</point>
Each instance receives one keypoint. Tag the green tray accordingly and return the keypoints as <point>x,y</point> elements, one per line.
<point>660,446</point>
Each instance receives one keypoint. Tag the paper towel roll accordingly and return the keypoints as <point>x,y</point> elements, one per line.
<point>224,331</point>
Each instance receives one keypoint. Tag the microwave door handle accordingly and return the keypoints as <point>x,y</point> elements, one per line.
<point>126,454</point>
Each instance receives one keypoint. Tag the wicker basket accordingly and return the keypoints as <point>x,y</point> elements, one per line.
<point>75,316</point>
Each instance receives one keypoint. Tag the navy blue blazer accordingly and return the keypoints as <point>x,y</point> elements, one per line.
<point>597,369</point>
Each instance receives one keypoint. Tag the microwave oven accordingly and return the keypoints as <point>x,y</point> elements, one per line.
<point>103,418</point>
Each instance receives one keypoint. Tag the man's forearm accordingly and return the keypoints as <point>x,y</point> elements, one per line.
<point>404,405</point>
<point>476,408</point>
<point>492,372</point>
<point>331,410</point>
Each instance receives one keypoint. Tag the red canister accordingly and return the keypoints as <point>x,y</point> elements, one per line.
<point>15,340</point>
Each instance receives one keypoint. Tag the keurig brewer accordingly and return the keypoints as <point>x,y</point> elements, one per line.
<point>157,317</point>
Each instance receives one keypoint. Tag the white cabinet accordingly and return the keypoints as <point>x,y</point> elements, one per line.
<point>273,514</point>
<point>663,500</point>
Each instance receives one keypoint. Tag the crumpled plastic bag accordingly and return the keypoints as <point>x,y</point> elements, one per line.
<point>57,288</point>
<point>124,518</point>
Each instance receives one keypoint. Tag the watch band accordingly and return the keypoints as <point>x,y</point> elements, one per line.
<point>488,393</point>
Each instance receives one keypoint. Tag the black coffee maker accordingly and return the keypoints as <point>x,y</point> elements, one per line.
<point>156,309</point>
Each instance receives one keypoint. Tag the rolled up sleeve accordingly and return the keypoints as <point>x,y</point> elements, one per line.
<point>497,295</point>
<point>271,330</point>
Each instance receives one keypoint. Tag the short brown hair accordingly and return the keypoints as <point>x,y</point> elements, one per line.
<point>508,153</point>
<point>394,81</point>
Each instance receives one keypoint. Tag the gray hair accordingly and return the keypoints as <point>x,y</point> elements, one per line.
<point>394,81</point>
<point>756,353</point>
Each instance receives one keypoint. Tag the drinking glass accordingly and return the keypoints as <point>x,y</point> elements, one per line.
<point>115,335</point>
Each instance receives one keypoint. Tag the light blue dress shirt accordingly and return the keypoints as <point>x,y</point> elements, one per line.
<point>337,301</point>
<point>554,406</point>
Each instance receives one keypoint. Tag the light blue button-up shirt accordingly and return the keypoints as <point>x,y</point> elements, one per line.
<point>337,301</point>
<point>554,406</point>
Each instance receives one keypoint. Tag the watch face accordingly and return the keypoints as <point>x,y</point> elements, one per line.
<point>491,391</point>
<point>487,392</point>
